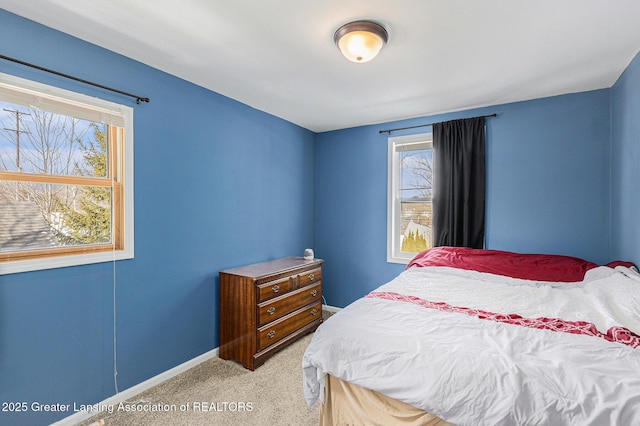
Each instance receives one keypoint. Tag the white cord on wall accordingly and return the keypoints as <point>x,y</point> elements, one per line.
<point>115,343</point>
<point>115,352</point>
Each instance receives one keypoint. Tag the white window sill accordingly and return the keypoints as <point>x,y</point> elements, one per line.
<point>17,266</point>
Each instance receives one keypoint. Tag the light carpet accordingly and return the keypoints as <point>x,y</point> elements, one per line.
<point>219,392</point>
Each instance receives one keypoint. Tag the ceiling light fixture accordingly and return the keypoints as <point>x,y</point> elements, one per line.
<point>360,41</point>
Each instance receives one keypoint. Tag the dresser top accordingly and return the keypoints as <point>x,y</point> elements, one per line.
<point>270,267</point>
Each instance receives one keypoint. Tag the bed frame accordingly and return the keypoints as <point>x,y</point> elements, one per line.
<point>349,404</point>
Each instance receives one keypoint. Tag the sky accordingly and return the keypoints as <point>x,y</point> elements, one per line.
<point>31,158</point>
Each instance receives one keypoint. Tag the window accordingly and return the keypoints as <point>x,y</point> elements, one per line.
<point>66,178</point>
<point>410,178</point>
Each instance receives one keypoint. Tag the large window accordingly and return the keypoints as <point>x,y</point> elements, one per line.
<point>410,178</point>
<point>66,178</point>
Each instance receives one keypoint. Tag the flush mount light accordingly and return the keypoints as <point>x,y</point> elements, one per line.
<point>360,41</point>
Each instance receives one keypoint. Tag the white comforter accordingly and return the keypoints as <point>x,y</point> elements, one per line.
<point>470,371</point>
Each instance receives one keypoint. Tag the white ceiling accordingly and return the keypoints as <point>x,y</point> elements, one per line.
<point>443,55</point>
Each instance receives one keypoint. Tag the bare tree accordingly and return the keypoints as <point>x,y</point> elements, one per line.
<point>48,144</point>
<point>419,166</point>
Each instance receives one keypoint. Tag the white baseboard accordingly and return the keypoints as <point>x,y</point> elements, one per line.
<point>140,387</point>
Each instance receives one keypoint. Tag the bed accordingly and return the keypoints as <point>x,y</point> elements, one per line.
<point>484,337</point>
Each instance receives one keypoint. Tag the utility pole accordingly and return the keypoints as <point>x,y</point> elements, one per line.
<point>17,131</point>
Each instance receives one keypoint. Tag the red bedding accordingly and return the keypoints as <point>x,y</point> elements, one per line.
<point>614,334</point>
<point>538,267</point>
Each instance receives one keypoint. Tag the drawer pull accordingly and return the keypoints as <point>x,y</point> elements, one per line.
<point>275,288</point>
<point>311,276</point>
<point>314,312</point>
<point>271,334</point>
<point>271,310</point>
<point>314,293</point>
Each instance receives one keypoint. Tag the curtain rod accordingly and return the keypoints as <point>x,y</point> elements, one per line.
<point>17,61</point>
<point>388,131</point>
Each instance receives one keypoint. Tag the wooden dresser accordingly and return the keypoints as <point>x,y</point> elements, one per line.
<point>265,306</point>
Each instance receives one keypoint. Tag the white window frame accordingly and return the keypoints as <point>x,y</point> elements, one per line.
<point>394,253</point>
<point>107,107</point>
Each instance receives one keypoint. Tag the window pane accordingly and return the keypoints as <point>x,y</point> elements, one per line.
<point>41,216</point>
<point>415,193</point>
<point>416,174</point>
<point>415,227</point>
<point>36,141</point>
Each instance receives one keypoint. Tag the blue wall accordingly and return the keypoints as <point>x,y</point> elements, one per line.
<point>625,164</point>
<point>547,188</point>
<point>217,185</point>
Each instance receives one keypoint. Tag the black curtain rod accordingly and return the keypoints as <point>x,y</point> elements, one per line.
<point>430,124</point>
<point>17,61</point>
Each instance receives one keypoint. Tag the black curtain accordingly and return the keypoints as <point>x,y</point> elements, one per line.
<point>459,183</point>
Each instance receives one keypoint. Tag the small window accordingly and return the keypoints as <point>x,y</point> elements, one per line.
<point>410,187</point>
<point>66,178</point>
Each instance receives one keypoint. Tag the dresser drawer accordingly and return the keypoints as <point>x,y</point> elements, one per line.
<point>294,281</point>
<point>308,277</point>
<point>274,288</point>
<point>278,307</point>
<point>279,329</point>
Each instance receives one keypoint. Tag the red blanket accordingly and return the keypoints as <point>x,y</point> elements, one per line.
<point>538,267</point>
